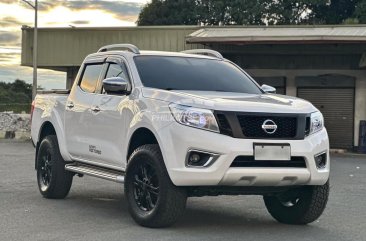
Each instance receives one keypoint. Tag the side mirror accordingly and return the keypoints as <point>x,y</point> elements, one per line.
<point>268,89</point>
<point>116,85</point>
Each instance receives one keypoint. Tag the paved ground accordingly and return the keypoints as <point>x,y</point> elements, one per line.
<point>96,209</point>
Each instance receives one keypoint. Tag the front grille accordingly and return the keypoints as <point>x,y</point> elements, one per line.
<point>307,125</point>
<point>248,161</point>
<point>224,125</point>
<point>251,126</point>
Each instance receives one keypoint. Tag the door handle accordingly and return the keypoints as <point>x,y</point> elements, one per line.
<point>95,109</point>
<point>70,105</point>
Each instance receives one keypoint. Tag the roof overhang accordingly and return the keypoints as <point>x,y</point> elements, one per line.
<point>280,35</point>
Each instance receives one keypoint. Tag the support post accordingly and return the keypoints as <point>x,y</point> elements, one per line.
<point>35,50</point>
<point>35,46</point>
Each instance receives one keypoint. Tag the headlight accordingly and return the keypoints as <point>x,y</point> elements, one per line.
<point>194,117</point>
<point>316,122</point>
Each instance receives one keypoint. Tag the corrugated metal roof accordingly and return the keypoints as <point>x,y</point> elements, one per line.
<point>342,33</point>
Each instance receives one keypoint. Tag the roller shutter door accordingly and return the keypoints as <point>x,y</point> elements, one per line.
<point>337,106</point>
<point>281,90</point>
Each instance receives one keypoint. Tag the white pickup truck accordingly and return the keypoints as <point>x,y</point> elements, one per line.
<point>175,125</point>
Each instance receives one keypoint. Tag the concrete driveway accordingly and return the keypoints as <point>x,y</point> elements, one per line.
<point>96,209</point>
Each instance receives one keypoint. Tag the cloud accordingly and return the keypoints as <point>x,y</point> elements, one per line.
<point>80,22</point>
<point>48,79</point>
<point>9,56</point>
<point>7,1</point>
<point>6,57</point>
<point>115,7</point>
<point>55,13</point>
<point>122,8</point>
<point>10,22</point>
<point>8,37</point>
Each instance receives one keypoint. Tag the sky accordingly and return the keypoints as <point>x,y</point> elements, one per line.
<point>55,13</point>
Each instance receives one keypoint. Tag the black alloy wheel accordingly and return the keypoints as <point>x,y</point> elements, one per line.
<point>153,200</point>
<point>146,187</point>
<point>45,165</point>
<point>53,180</point>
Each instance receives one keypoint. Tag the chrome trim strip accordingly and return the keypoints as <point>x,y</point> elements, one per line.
<point>95,173</point>
<point>320,153</point>
<point>208,52</point>
<point>326,160</point>
<point>130,47</point>
<point>96,163</point>
<point>210,161</point>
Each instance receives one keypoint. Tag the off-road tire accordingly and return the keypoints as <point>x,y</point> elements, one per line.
<point>311,202</point>
<point>60,180</point>
<point>170,200</point>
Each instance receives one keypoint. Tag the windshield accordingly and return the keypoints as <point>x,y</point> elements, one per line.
<point>182,73</point>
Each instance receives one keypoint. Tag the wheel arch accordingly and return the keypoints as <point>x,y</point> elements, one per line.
<point>140,136</point>
<point>46,129</point>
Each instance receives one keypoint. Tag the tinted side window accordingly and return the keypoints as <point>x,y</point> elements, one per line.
<point>116,70</point>
<point>90,77</point>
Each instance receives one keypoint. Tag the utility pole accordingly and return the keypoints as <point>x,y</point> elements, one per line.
<point>35,46</point>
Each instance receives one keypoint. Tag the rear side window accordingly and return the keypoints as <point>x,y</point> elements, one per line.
<point>90,77</point>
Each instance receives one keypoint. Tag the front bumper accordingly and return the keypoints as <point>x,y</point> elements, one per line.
<point>176,140</point>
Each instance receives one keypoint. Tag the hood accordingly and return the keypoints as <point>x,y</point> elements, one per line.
<point>229,101</point>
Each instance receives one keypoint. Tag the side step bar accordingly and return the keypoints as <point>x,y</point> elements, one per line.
<point>94,171</point>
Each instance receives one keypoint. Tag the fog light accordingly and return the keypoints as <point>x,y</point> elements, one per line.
<point>200,158</point>
<point>321,160</point>
<point>194,158</point>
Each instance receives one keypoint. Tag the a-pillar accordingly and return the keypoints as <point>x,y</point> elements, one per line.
<point>70,76</point>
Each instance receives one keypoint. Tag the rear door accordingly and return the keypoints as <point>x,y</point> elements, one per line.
<point>111,116</point>
<point>78,110</point>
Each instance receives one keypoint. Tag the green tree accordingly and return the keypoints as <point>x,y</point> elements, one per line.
<point>292,12</point>
<point>241,12</point>
<point>15,96</point>
<point>252,12</point>
<point>360,12</point>
<point>206,12</point>
<point>335,12</point>
<point>169,12</point>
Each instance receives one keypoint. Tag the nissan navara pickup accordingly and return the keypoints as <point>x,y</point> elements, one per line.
<point>173,125</point>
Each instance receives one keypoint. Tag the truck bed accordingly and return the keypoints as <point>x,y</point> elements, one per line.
<point>54,91</point>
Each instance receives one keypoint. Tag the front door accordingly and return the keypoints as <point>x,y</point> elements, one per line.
<point>111,119</point>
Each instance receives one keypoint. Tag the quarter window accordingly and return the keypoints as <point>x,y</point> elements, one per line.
<point>90,77</point>
<point>116,70</point>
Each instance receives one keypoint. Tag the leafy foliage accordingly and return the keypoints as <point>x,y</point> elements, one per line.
<point>250,12</point>
<point>360,12</point>
<point>336,12</point>
<point>15,96</point>
<point>207,12</point>
<point>169,12</point>
<point>215,12</point>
